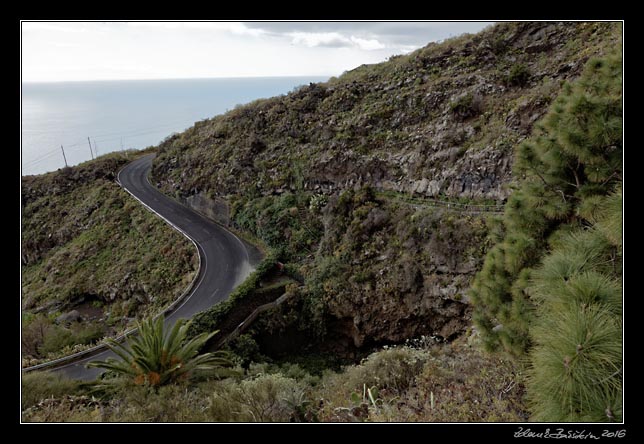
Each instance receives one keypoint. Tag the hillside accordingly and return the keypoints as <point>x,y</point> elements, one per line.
<point>91,253</point>
<point>449,225</point>
<point>343,177</point>
<point>442,120</point>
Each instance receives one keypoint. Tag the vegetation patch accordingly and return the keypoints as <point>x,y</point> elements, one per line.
<point>420,382</point>
<point>157,356</point>
<point>552,283</point>
<point>440,122</point>
<point>93,259</point>
<point>518,75</point>
<point>335,177</point>
<point>259,288</point>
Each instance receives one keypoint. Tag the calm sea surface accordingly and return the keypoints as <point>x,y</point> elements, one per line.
<point>118,115</point>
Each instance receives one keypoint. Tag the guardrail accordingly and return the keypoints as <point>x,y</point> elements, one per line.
<point>59,362</point>
<point>243,325</point>
<point>455,206</point>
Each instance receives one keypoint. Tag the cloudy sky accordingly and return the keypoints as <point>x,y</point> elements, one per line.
<point>64,51</point>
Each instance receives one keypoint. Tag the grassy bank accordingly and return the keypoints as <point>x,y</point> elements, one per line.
<point>93,259</point>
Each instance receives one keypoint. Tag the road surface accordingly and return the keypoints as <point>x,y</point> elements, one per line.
<point>225,261</point>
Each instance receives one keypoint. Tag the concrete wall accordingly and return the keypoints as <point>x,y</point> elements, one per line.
<point>215,209</point>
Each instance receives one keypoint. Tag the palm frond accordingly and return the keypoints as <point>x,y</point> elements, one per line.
<point>157,357</point>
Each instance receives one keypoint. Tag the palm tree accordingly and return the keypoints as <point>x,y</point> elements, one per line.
<point>156,357</point>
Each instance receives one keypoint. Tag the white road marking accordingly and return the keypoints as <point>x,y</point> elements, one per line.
<point>181,301</point>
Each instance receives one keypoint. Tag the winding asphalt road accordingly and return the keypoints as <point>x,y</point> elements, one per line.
<point>225,261</point>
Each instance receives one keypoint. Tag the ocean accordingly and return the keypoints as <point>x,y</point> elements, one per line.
<point>118,115</point>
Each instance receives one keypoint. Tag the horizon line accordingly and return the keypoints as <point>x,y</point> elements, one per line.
<point>176,78</point>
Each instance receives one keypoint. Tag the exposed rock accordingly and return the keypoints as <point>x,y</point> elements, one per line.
<point>433,188</point>
<point>49,306</point>
<point>69,317</point>
<point>420,186</point>
<point>352,133</point>
<point>344,414</point>
<point>441,121</point>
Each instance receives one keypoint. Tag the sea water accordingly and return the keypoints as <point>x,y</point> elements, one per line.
<point>94,118</point>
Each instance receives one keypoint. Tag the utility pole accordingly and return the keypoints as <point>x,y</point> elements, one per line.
<point>63,150</point>
<point>95,148</point>
<point>90,147</point>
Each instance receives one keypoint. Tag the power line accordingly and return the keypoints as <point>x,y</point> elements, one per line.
<point>130,136</point>
<point>124,132</point>
<point>48,152</point>
<point>40,159</point>
<point>102,138</point>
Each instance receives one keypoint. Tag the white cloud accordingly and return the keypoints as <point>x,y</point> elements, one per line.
<point>241,29</point>
<point>313,39</point>
<point>406,49</point>
<point>71,30</point>
<point>177,25</point>
<point>367,44</point>
<point>65,44</point>
<point>236,28</point>
<point>51,51</point>
<point>74,27</point>
<point>333,40</point>
<point>391,34</point>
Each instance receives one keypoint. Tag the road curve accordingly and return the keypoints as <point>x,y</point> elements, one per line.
<point>224,258</point>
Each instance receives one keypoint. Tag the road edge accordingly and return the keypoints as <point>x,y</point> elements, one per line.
<point>66,360</point>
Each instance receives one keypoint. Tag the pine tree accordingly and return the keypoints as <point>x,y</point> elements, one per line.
<point>575,154</point>
<point>576,362</point>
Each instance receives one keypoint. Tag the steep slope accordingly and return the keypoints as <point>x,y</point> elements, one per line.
<point>442,120</point>
<point>337,175</point>
<point>92,253</point>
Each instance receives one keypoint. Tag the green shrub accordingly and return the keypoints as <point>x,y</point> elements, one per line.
<point>69,408</point>
<point>171,403</point>
<point>266,398</point>
<point>393,370</point>
<point>59,337</point>
<point>37,386</point>
<point>245,349</point>
<point>35,330</point>
<point>287,223</point>
<point>518,75</point>
<point>466,105</point>
<point>286,369</point>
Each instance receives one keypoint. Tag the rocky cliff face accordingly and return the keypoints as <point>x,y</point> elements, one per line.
<point>216,209</point>
<point>441,122</point>
<point>398,271</point>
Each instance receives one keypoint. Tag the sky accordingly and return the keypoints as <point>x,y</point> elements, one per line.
<point>75,51</point>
